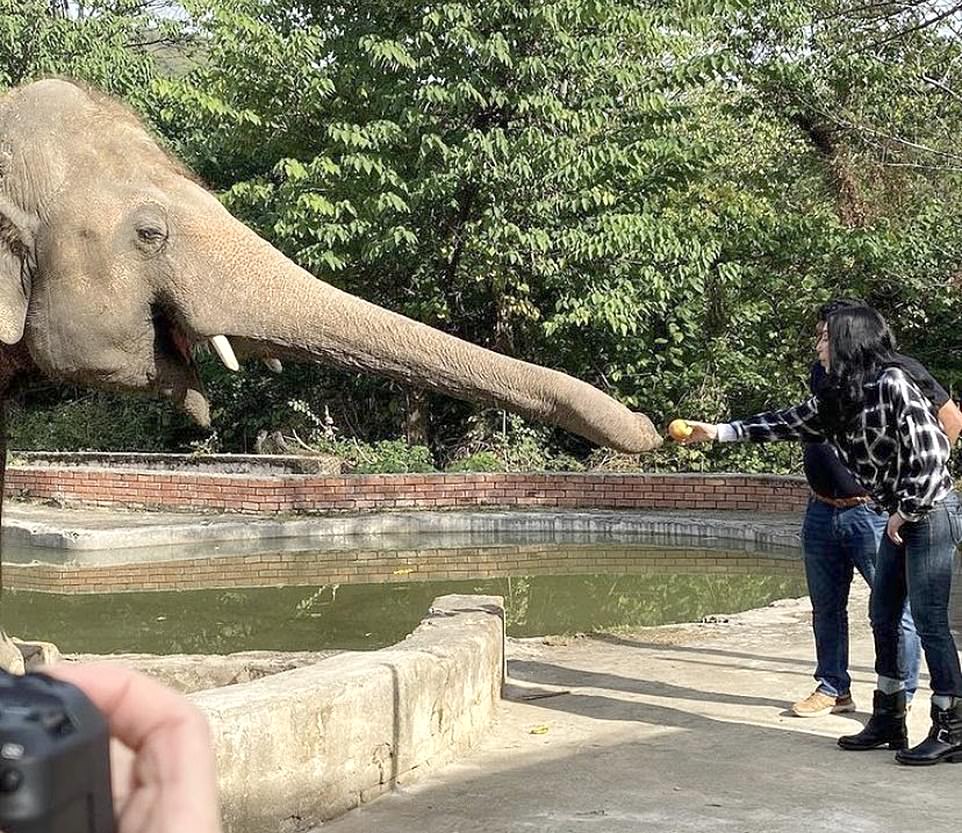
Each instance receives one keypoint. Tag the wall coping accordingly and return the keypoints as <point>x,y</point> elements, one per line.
<point>153,461</point>
<point>73,543</point>
<point>292,467</point>
<point>306,745</point>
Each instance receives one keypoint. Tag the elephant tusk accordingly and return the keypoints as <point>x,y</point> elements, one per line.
<point>225,352</point>
<point>272,364</point>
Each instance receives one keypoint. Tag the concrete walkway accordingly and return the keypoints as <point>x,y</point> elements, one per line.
<point>675,729</point>
<point>668,730</point>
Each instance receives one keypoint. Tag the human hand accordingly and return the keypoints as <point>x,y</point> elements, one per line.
<point>701,432</point>
<point>896,521</point>
<point>162,761</point>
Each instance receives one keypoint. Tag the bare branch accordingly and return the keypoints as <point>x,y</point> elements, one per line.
<point>918,166</point>
<point>872,45</point>
<point>861,128</point>
<point>939,85</point>
<point>865,130</point>
<point>145,44</point>
<point>925,24</point>
<point>847,12</point>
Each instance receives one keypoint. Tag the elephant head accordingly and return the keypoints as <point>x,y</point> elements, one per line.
<point>115,263</point>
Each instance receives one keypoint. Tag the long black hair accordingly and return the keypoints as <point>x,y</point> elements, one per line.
<point>836,304</point>
<point>861,346</point>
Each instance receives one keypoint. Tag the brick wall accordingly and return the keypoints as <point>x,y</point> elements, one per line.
<point>139,489</point>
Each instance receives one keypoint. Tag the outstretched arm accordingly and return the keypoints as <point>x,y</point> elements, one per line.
<point>799,422</point>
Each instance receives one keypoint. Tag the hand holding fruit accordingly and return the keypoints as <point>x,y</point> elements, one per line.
<point>687,431</point>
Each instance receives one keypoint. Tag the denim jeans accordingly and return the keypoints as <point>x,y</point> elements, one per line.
<point>921,570</point>
<point>836,542</point>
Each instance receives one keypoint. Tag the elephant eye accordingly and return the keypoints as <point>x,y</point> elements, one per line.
<point>151,235</point>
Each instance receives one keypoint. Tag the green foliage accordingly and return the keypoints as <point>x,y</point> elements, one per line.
<point>96,422</point>
<point>604,187</point>
<point>652,197</point>
<point>109,43</point>
<point>506,442</point>
<point>393,456</point>
<point>480,461</point>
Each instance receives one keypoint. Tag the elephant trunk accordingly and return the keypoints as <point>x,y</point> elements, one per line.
<point>276,301</point>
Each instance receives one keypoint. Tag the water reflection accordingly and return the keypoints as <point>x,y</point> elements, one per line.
<point>357,599</point>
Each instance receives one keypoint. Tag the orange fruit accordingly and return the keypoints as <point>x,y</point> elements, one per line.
<point>679,429</point>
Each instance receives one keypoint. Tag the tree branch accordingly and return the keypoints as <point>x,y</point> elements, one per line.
<point>925,24</point>
<point>917,165</point>
<point>901,8</point>
<point>840,121</point>
<point>946,89</point>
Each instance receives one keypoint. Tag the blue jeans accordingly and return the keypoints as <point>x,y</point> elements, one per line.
<point>836,542</point>
<point>920,570</point>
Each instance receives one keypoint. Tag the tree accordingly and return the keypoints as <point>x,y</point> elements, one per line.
<point>501,170</point>
<point>109,43</point>
<point>875,91</point>
<point>653,197</point>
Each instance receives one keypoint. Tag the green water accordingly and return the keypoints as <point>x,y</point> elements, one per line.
<point>367,616</point>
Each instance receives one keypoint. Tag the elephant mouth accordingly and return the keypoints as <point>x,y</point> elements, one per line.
<point>176,376</point>
<point>177,348</point>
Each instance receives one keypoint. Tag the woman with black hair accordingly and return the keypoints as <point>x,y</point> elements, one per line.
<point>888,435</point>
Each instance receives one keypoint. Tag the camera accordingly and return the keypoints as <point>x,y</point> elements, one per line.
<point>54,759</point>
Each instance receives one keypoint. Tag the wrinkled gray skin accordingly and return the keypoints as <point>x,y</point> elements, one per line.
<point>115,264</point>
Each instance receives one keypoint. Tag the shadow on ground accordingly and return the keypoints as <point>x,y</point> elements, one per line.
<point>714,753</point>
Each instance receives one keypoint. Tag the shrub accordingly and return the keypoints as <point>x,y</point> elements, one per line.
<point>95,422</point>
<point>392,457</point>
<point>479,461</point>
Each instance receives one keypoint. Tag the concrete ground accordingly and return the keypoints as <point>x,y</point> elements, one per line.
<point>675,729</point>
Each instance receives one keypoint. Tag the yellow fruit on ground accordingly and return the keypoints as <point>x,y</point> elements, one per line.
<point>679,429</point>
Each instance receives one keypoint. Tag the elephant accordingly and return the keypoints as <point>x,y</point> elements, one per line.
<point>115,264</point>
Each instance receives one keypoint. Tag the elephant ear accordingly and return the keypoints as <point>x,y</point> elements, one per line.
<point>16,265</point>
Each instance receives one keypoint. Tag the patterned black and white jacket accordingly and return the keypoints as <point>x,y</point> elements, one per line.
<point>897,451</point>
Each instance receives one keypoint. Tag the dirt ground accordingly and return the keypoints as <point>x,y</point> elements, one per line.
<point>680,728</point>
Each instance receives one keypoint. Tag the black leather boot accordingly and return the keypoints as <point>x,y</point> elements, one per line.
<point>886,727</point>
<point>944,742</point>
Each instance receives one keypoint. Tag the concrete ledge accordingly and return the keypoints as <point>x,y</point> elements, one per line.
<point>303,746</point>
<point>74,533</point>
<point>216,463</point>
<point>188,673</point>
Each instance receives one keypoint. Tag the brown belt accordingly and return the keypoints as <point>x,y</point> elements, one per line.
<point>843,502</point>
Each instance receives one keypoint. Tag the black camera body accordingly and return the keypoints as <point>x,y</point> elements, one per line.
<point>54,759</point>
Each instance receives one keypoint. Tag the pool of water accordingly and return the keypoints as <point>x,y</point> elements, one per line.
<point>368,598</point>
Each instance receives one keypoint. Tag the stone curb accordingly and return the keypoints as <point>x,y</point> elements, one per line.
<point>303,746</point>
<point>340,531</point>
<point>153,461</point>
